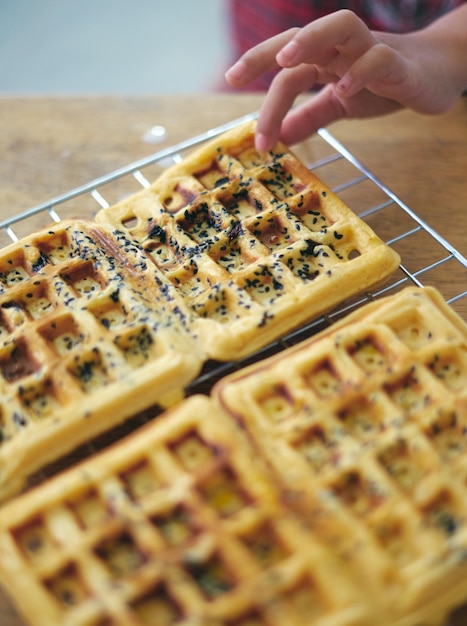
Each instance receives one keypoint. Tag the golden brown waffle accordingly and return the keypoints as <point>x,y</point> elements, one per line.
<point>101,320</point>
<point>176,525</point>
<point>340,500</point>
<point>82,344</point>
<point>365,428</point>
<point>254,244</point>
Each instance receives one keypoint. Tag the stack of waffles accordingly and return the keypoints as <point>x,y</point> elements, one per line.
<point>324,486</point>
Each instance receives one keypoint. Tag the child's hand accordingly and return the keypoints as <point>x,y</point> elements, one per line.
<point>364,74</point>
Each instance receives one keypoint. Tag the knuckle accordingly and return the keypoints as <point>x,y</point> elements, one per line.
<point>292,32</point>
<point>348,18</point>
<point>382,52</point>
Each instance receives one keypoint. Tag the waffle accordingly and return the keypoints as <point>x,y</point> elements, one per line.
<point>255,245</point>
<point>364,428</point>
<point>333,496</point>
<point>178,524</point>
<point>82,345</point>
<point>100,320</point>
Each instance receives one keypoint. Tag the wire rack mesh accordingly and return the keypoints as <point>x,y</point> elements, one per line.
<point>374,202</point>
<point>437,262</point>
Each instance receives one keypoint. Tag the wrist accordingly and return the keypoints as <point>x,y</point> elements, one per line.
<point>448,37</point>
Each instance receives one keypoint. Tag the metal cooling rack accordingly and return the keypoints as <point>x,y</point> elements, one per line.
<point>373,202</point>
<point>347,176</point>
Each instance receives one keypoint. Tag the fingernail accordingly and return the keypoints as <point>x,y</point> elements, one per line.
<point>342,85</point>
<point>236,72</point>
<point>263,143</point>
<point>287,55</point>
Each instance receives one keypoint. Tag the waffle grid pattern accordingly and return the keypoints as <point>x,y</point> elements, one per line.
<point>449,436</point>
<point>253,245</point>
<point>77,333</point>
<point>340,500</point>
<point>115,320</point>
<point>182,529</point>
<point>369,430</point>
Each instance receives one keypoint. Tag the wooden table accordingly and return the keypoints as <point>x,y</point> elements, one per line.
<point>50,145</point>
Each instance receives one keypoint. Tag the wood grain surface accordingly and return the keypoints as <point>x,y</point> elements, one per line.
<point>51,145</point>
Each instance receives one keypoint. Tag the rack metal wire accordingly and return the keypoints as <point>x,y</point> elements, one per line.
<point>381,207</point>
<point>373,201</point>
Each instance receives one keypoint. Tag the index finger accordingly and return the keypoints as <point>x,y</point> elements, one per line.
<point>324,39</point>
<point>258,60</point>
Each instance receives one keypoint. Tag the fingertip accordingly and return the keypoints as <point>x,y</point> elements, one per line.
<point>343,86</point>
<point>235,74</point>
<point>347,87</point>
<point>287,56</point>
<point>264,143</point>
